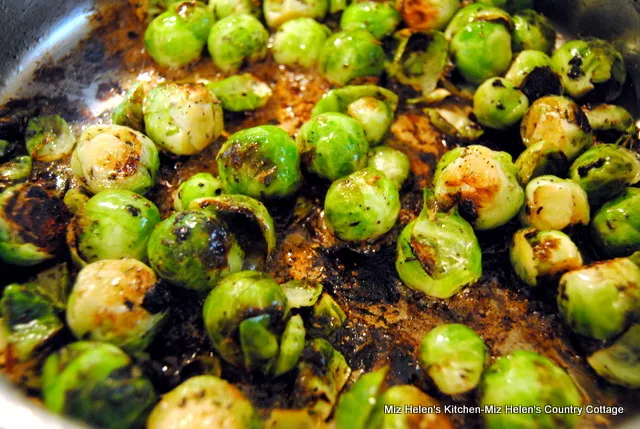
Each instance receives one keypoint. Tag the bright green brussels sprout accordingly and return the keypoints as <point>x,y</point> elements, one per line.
<point>356,405</point>
<point>75,199</point>
<point>334,145</point>
<point>540,159</point>
<point>299,42</point>
<point>552,203</point>
<point>532,73</point>
<point>223,8</point>
<point>261,162</point>
<point>375,116</point>
<point>98,384</point>
<point>182,119</point>
<point>302,293</point>
<point>609,117</point>
<point>393,163</point>
<point>15,171</point>
<point>48,138</point>
<point>592,68</point>
<point>177,37</point>
<point>454,123</point>
<point>620,362</point>
<point>378,18</point>
<point>32,225</point>
<point>235,40</point>
<point>115,157</point>
<point>532,30</point>
<point>129,112</point>
<point>438,253</point>
<point>204,402</point>
<point>194,250</point>
<point>557,120</point>
<point>526,379</point>
<point>199,185</point>
<point>339,99</point>
<point>327,316</point>
<point>604,171</point>
<point>116,301</point>
<point>112,225</point>
<point>601,300</point>
<point>616,226</point>
<point>498,104</point>
<point>483,183</point>
<point>537,256</point>
<point>277,12</point>
<point>427,15</point>
<point>241,92</point>
<point>349,55</point>
<point>362,206</point>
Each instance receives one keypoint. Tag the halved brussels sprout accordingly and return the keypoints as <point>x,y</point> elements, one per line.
<point>199,185</point>
<point>241,92</point>
<point>129,112</point>
<point>48,138</point>
<point>194,250</point>
<point>362,206</point>
<point>98,384</point>
<point>378,18</point>
<point>356,405</point>
<point>327,316</point>
<point>277,12</point>
<point>182,119</point>
<point>540,159</point>
<point>620,362</point>
<point>532,73</point>
<point>204,402</point>
<point>15,171</point>
<point>482,183</point>
<point>616,226</point>
<point>302,293</point>
<point>552,203</point>
<point>237,39</point>
<point>529,380</point>
<point>115,301</point>
<point>339,99</point>
<point>498,104</point>
<point>532,30</point>
<point>427,14</point>
<point>601,300</point>
<point>291,346</point>
<point>609,117</point>
<point>223,8</point>
<point>299,42</point>
<point>392,162</point>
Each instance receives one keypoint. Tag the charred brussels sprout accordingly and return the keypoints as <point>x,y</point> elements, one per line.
<point>349,55</point>
<point>32,225</point>
<point>538,256</point>
<point>48,138</point>
<point>620,362</point>
<point>498,104</point>
<point>532,73</point>
<point>129,112</point>
<point>277,12</point>
<point>557,120</point>
<point>592,68</point>
<point>197,186</point>
<point>601,300</point>
<point>98,384</point>
<point>241,92</point>
<point>532,31</point>
<point>483,184</point>
<point>427,14</point>
<point>327,316</point>
<point>616,226</point>
<point>362,206</point>
<point>204,402</point>
<point>177,37</point>
<point>552,203</point>
<point>609,118</point>
<point>112,225</point>
<point>113,301</point>
<point>334,145</point>
<point>527,379</point>
<point>182,119</point>
<point>393,163</point>
<point>355,406</point>
<point>375,116</point>
<point>260,162</point>
<point>378,18</point>
<point>540,159</point>
<point>235,40</point>
<point>223,8</point>
<point>194,249</point>
<point>15,171</point>
<point>299,42</point>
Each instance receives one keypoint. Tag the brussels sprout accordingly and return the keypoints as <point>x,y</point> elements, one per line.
<point>616,226</point>
<point>177,37</point>
<point>194,250</point>
<point>241,92</point>
<point>182,119</point>
<point>455,124</point>
<point>112,225</point>
<point>327,316</point>
<point>609,117</point>
<point>620,362</point>
<point>32,225</point>
<point>604,171</point>
<point>204,402</point>
<point>129,112</point>
<point>97,383</point>
<point>235,40</point>
<point>552,203</point>
<point>199,185</point>
<point>334,145</point>
<point>260,162</point>
<point>498,104</point>
<point>438,253</point>
<point>378,18</point>
<point>427,14</point>
<point>113,301</point>
<point>277,12</point>
<point>540,159</point>
<point>75,199</point>
<point>393,163</point>
<point>375,116</point>
<point>48,138</point>
<point>557,120</point>
<point>115,157</point>
<point>362,206</point>
<point>302,293</point>
<point>291,346</point>
<point>526,379</point>
<point>474,12</point>
<point>532,73</point>
<point>532,30</point>
<point>29,317</point>
<point>223,8</point>
<point>299,42</point>
<point>509,5</point>
<point>601,300</point>
<point>339,99</point>
<point>355,406</point>
<point>482,183</point>
<point>15,171</point>
<point>289,419</point>
<point>590,67</point>
<point>538,256</point>
<point>349,55</point>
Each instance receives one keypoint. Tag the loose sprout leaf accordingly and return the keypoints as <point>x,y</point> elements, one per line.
<point>302,293</point>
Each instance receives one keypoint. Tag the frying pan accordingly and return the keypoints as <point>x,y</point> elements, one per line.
<point>386,320</point>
